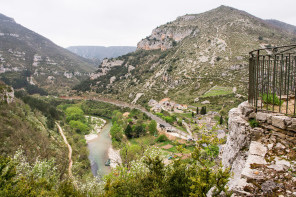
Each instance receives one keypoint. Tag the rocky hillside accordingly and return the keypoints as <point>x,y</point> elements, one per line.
<point>101,52</point>
<point>35,60</point>
<point>197,57</point>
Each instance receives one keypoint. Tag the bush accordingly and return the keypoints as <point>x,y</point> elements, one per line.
<point>269,99</point>
<point>162,138</point>
<point>79,126</point>
<point>253,123</point>
<point>75,113</point>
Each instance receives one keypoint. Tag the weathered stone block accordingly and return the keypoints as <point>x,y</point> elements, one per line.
<point>268,118</point>
<point>280,121</point>
<point>256,133</point>
<point>292,126</point>
<point>261,116</point>
<point>252,115</point>
<point>257,148</point>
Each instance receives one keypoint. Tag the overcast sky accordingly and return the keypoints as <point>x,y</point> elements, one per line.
<point>123,22</point>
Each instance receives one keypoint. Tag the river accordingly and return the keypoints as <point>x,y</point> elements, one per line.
<point>98,151</point>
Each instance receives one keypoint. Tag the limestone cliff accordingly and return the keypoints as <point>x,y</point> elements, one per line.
<point>166,36</point>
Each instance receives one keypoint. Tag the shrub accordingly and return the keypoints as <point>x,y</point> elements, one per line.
<point>253,123</point>
<point>269,99</point>
<point>168,119</point>
<point>162,138</point>
<point>79,126</point>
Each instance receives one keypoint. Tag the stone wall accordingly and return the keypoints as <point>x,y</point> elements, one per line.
<point>262,158</point>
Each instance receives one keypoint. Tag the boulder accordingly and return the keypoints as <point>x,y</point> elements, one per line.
<point>280,121</point>
<point>261,116</point>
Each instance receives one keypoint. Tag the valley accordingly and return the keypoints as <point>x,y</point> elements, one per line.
<point>169,117</point>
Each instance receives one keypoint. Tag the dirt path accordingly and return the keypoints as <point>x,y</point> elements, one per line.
<point>70,150</point>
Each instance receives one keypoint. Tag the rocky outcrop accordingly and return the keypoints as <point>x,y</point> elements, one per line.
<point>262,159</point>
<point>6,94</point>
<point>166,37</point>
<point>105,67</point>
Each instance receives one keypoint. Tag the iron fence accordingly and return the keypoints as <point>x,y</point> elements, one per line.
<point>272,79</point>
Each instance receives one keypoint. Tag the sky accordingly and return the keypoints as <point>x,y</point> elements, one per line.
<point>123,22</point>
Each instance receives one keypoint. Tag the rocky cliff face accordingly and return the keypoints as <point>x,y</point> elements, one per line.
<point>166,37</point>
<point>6,94</point>
<point>263,159</point>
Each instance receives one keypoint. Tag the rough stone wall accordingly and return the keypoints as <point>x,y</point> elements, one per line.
<point>262,158</point>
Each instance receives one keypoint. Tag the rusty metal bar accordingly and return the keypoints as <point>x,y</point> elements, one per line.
<point>268,70</point>
<point>287,103</point>
<point>274,82</point>
<point>281,80</point>
<point>262,79</point>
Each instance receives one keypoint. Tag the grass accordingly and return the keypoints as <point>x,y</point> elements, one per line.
<point>218,91</point>
<point>271,99</point>
<point>186,115</point>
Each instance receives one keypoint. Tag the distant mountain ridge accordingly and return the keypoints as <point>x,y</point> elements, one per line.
<point>29,58</point>
<point>283,26</point>
<point>101,52</point>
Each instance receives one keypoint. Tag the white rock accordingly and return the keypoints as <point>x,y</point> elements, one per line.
<point>279,161</point>
<point>257,148</point>
<point>261,116</point>
<point>280,121</point>
<point>278,168</point>
<point>205,102</point>
<point>280,146</point>
<point>270,146</point>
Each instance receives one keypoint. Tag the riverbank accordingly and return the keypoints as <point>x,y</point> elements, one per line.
<point>114,156</point>
<point>98,124</point>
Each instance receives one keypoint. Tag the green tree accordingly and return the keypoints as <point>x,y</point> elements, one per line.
<point>197,110</point>
<point>79,126</point>
<point>128,131</point>
<point>162,138</point>
<point>152,127</point>
<point>203,110</point>
<point>221,120</point>
<point>75,113</point>
<point>116,132</point>
<point>139,131</point>
<point>130,153</point>
<point>192,114</point>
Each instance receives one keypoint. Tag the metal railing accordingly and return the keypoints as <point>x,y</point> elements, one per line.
<point>272,79</point>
